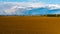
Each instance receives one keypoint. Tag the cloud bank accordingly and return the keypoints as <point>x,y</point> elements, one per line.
<point>12,7</point>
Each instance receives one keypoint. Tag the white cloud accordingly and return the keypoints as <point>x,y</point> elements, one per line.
<point>34,0</point>
<point>54,6</point>
<point>32,4</point>
<point>26,5</point>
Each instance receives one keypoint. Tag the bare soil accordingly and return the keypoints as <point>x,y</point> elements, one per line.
<point>29,25</point>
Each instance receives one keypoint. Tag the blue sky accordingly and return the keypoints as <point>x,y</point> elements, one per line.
<point>44,1</point>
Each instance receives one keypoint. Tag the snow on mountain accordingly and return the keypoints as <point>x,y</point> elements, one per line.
<point>23,8</point>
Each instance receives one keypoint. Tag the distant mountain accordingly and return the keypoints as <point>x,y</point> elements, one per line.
<point>28,8</point>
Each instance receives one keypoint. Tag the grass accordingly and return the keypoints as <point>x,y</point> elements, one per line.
<point>29,25</point>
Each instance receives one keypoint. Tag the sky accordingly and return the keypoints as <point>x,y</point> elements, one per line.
<point>43,1</point>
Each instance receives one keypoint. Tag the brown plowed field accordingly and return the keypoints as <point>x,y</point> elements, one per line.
<point>29,25</point>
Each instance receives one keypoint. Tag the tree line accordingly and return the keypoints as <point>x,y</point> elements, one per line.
<point>47,15</point>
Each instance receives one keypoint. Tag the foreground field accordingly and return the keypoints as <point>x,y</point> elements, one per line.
<point>29,25</point>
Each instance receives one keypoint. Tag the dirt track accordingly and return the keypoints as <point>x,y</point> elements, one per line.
<point>29,25</point>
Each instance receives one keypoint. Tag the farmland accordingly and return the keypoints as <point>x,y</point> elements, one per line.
<point>29,25</point>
